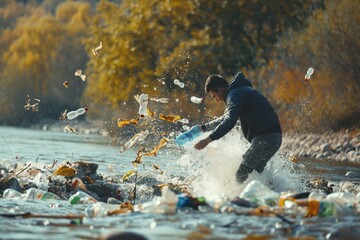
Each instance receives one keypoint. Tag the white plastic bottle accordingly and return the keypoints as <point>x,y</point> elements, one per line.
<point>74,114</point>
<point>12,194</point>
<point>143,101</point>
<point>34,193</point>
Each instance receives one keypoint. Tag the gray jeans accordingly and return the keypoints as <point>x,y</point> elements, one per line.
<point>261,150</point>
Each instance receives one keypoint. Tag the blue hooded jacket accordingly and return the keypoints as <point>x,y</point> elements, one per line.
<point>243,102</point>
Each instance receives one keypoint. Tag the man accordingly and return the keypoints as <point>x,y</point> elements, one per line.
<point>259,122</point>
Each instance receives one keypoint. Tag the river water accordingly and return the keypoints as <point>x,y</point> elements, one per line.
<point>213,170</point>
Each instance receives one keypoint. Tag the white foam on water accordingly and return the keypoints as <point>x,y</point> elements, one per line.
<point>216,165</point>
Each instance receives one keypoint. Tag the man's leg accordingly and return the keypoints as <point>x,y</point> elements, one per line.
<point>270,145</point>
<point>258,154</point>
<point>242,173</point>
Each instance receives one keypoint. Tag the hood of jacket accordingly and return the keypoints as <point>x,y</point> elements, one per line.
<point>239,80</point>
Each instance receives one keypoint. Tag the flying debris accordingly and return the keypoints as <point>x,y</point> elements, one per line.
<point>180,84</point>
<point>79,73</point>
<point>160,100</point>
<point>309,72</point>
<point>170,117</point>
<point>123,122</point>
<point>95,50</point>
<point>34,107</point>
<point>196,100</point>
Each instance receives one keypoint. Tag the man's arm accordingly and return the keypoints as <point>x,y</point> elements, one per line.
<point>212,124</point>
<point>235,103</point>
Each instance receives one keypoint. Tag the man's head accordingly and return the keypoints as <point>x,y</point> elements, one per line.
<point>217,87</point>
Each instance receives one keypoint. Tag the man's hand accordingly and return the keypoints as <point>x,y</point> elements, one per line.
<point>203,143</point>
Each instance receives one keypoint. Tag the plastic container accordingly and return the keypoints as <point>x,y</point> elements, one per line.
<point>81,198</point>
<point>74,114</point>
<point>12,194</point>
<point>257,192</point>
<point>165,204</point>
<point>34,193</point>
<point>188,136</point>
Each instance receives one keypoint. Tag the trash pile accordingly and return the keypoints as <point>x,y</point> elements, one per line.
<point>79,183</point>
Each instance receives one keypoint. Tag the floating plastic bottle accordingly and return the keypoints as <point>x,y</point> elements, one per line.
<point>188,136</point>
<point>143,101</point>
<point>74,114</point>
<point>196,100</point>
<point>34,193</point>
<point>81,198</point>
<point>41,181</point>
<point>12,194</point>
<point>164,204</point>
<point>310,71</point>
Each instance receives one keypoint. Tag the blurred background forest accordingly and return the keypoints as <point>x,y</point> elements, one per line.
<point>147,44</point>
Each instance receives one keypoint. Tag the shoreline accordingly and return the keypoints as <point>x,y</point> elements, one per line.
<point>343,145</point>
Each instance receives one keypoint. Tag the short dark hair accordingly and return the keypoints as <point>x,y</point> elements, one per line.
<point>214,82</point>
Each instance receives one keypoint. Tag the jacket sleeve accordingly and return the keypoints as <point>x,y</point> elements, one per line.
<point>235,102</point>
<point>214,123</point>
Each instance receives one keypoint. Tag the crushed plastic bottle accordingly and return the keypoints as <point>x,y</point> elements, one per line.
<point>81,198</point>
<point>34,193</point>
<point>184,121</point>
<point>74,114</point>
<point>100,209</point>
<point>309,72</point>
<point>196,100</point>
<point>79,74</point>
<point>257,192</point>
<point>137,138</point>
<point>12,194</point>
<point>160,100</point>
<point>166,204</point>
<point>189,135</point>
<point>41,181</point>
<point>143,101</point>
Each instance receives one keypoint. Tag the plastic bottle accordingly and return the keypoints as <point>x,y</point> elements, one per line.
<point>188,136</point>
<point>81,198</point>
<point>74,114</point>
<point>143,101</point>
<point>310,71</point>
<point>257,192</point>
<point>320,208</point>
<point>34,193</point>
<point>12,194</point>
<point>164,204</point>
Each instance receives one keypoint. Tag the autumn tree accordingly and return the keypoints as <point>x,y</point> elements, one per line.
<point>41,51</point>
<point>329,100</point>
<point>149,44</point>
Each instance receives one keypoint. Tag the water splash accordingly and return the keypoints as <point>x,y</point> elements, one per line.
<point>215,168</point>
